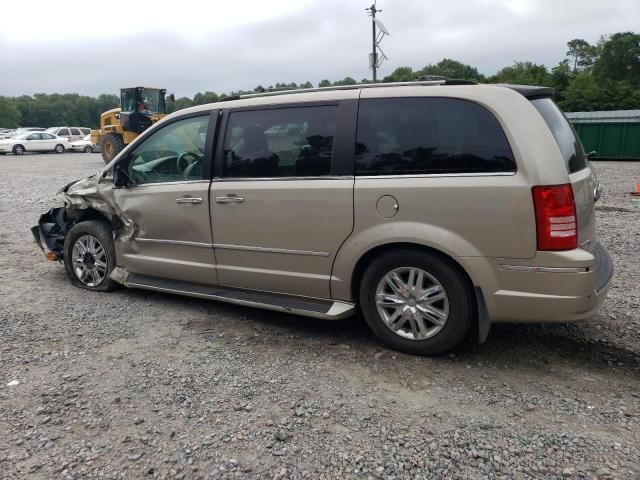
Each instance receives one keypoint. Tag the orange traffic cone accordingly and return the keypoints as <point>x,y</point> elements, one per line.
<point>637,192</point>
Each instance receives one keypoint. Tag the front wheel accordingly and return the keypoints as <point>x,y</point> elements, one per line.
<point>88,149</point>
<point>111,145</point>
<point>416,302</point>
<point>18,150</point>
<point>59,148</point>
<point>89,256</point>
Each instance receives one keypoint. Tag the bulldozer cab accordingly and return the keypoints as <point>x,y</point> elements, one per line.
<point>140,107</point>
<point>141,99</point>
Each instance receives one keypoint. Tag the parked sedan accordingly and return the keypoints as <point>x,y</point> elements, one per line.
<point>18,131</point>
<point>84,145</point>
<point>33,142</point>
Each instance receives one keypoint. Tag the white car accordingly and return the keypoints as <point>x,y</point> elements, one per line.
<point>18,131</point>
<point>33,142</point>
<point>84,145</point>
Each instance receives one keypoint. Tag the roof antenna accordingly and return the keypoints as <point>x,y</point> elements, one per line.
<point>375,58</point>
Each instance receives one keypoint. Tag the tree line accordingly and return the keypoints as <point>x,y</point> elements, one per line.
<point>602,76</point>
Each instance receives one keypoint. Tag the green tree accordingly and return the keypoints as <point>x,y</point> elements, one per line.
<point>206,97</point>
<point>180,103</point>
<point>582,53</point>
<point>345,81</point>
<point>523,73</point>
<point>581,95</point>
<point>619,58</point>
<point>401,74</point>
<point>560,78</point>
<point>324,83</point>
<point>451,69</point>
<point>9,113</point>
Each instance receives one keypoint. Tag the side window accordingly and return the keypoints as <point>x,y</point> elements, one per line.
<point>34,136</point>
<point>47,136</point>
<point>85,131</point>
<point>173,153</point>
<point>403,136</point>
<point>281,142</point>
<point>75,131</point>
<point>63,132</point>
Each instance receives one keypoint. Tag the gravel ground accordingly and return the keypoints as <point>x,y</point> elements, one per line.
<point>136,384</point>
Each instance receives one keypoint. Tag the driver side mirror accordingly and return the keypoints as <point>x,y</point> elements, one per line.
<point>121,178</point>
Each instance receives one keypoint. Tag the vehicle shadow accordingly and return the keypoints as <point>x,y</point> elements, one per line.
<point>507,344</point>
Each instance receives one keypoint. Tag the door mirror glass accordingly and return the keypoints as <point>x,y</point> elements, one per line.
<point>121,177</point>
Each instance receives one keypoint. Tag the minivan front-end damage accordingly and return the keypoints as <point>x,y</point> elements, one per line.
<point>86,199</point>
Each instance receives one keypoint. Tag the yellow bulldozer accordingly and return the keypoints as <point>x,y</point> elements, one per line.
<point>140,107</point>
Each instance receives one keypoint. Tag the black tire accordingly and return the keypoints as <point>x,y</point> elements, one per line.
<point>3,153</point>
<point>88,149</point>
<point>461,301</point>
<point>103,233</point>
<point>18,150</point>
<point>59,148</point>
<point>110,146</point>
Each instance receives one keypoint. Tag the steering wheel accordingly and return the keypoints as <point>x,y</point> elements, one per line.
<point>188,158</point>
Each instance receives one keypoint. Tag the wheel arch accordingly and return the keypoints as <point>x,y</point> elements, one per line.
<point>93,214</point>
<point>367,257</point>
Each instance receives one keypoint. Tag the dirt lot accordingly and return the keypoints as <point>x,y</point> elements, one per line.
<point>136,384</point>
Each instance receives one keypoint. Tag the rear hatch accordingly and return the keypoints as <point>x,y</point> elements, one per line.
<point>581,174</point>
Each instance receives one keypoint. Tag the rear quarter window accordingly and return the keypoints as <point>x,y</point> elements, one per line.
<point>404,136</point>
<point>565,135</point>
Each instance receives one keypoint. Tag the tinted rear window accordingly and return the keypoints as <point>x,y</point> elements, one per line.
<point>404,136</point>
<point>566,137</point>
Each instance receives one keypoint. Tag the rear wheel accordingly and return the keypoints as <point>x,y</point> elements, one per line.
<point>111,145</point>
<point>89,256</point>
<point>59,148</point>
<point>416,302</point>
<point>18,150</point>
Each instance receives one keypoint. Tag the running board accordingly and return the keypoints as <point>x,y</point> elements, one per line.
<point>324,309</point>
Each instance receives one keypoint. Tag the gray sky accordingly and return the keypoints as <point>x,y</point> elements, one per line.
<point>190,46</point>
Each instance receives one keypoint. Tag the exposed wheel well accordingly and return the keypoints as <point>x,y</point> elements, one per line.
<point>92,214</point>
<point>368,257</point>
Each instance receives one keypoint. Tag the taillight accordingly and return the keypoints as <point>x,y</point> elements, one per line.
<point>556,221</point>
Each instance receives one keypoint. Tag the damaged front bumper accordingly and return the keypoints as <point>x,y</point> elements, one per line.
<point>51,231</point>
<point>83,200</point>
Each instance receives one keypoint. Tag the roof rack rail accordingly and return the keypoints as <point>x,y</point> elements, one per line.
<point>344,87</point>
<point>455,81</point>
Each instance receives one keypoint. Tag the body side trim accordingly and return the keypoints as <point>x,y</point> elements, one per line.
<point>527,268</point>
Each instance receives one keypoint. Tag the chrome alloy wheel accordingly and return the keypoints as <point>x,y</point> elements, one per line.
<point>412,303</point>
<point>89,260</point>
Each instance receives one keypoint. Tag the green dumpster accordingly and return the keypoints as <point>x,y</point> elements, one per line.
<point>613,135</point>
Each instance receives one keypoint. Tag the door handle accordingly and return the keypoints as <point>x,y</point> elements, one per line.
<point>189,200</point>
<point>230,199</point>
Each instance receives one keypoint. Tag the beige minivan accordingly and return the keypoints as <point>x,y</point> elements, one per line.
<point>435,208</point>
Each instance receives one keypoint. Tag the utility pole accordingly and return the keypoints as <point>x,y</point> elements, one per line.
<point>374,52</point>
<point>376,60</point>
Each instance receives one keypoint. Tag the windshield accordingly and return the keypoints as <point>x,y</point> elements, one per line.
<point>150,98</point>
<point>22,135</point>
<point>566,137</point>
<point>146,100</point>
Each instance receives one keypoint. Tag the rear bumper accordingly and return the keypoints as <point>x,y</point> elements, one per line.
<point>552,287</point>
